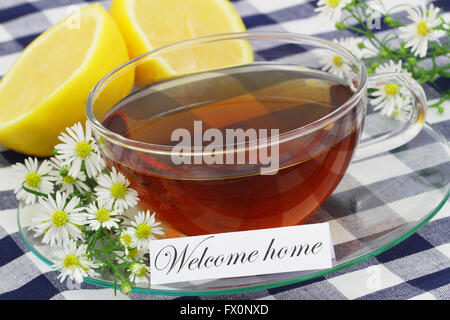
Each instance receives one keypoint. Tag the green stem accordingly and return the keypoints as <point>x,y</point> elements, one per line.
<point>117,273</point>
<point>438,104</point>
<point>36,193</point>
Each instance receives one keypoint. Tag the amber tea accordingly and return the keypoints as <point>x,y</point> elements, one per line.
<point>199,198</point>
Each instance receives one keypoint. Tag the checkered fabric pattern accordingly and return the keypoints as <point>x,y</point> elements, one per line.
<point>417,268</point>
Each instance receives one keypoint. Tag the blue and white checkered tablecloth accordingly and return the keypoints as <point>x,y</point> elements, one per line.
<point>417,268</point>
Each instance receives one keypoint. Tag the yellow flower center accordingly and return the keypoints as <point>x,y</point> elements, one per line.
<point>391,89</point>
<point>59,218</point>
<point>125,239</point>
<point>337,60</point>
<point>118,190</point>
<point>142,272</point>
<point>102,215</point>
<point>69,179</point>
<point>333,3</point>
<point>422,28</point>
<point>143,231</point>
<point>71,261</point>
<point>139,269</point>
<point>133,253</point>
<point>33,179</point>
<point>83,149</point>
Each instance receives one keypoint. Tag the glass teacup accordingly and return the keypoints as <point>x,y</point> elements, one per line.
<point>293,128</point>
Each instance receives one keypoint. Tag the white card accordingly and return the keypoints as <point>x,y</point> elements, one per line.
<point>243,253</point>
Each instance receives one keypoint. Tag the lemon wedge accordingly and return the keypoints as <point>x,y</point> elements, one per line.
<point>46,89</point>
<point>150,24</point>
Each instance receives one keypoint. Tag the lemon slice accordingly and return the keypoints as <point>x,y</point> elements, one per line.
<point>46,89</point>
<point>150,24</point>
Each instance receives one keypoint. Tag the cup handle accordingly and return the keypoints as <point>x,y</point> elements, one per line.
<point>407,131</point>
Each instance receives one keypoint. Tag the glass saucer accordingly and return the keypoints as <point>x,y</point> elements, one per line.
<point>380,202</point>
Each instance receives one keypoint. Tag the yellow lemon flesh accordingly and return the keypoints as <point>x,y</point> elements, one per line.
<point>150,24</point>
<point>46,89</point>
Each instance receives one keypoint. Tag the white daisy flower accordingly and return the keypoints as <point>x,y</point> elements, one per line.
<point>68,183</point>
<point>113,190</point>
<point>388,97</point>
<point>421,30</point>
<point>139,273</point>
<point>334,63</point>
<point>101,215</point>
<point>331,10</point>
<point>132,254</point>
<point>59,220</point>
<point>391,66</point>
<point>77,148</point>
<point>145,226</point>
<point>352,45</point>
<point>392,99</point>
<point>74,263</point>
<point>128,239</point>
<point>402,112</point>
<point>34,177</point>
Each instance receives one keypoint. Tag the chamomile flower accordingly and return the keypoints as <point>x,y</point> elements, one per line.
<point>74,263</point>
<point>58,219</point>
<point>128,239</point>
<point>101,215</point>
<point>139,273</point>
<point>349,43</point>
<point>391,66</point>
<point>132,254</point>
<point>421,30</point>
<point>68,183</point>
<point>334,63</point>
<point>359,47</point>
<point>34,177</point>
<point>402,112</point>
<point>391,99</point>
<point>331,10</point>
<point>79,147</point>
<point>145,227</point>
<point>113,190</point>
